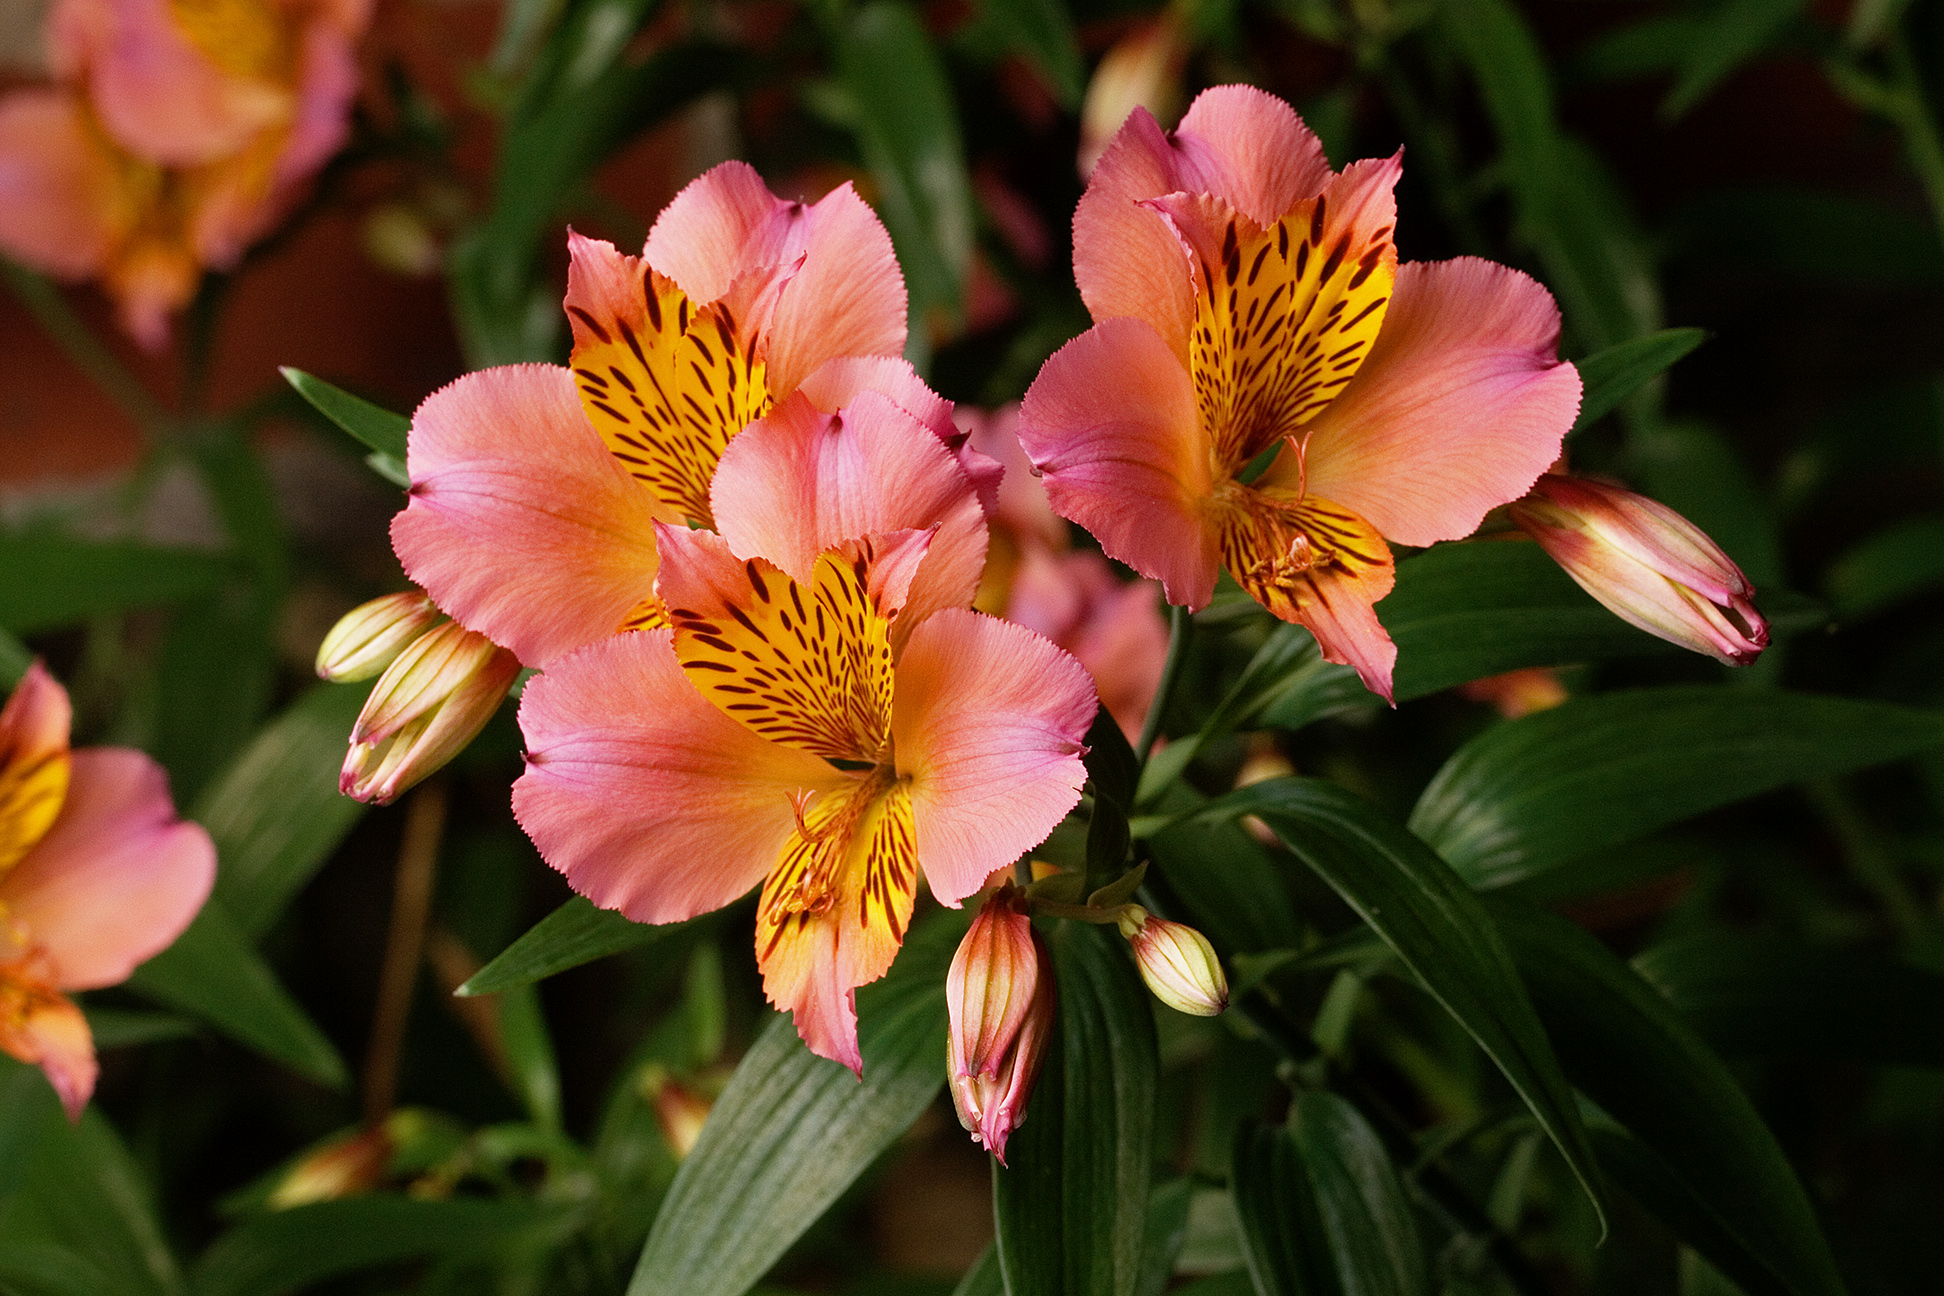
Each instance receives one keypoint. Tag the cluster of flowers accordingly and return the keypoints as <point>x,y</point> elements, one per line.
<point>742,543</point>
<point>178,133</point>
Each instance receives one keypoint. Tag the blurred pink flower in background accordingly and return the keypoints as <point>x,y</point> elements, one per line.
<point>1072,596</point>
<point>97,875</point>
<point>178,133</point>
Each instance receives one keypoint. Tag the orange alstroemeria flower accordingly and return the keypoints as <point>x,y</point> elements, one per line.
<point>1249,306</point>
<point>96,875</point>
<point>180,132</point>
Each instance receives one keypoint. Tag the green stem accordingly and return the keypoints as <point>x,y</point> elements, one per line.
<point>81,346</point>
<point>1869,863</point>
<point>1181,627</point>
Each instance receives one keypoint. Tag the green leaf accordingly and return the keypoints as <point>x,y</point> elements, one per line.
<point>792,1131</point>
<point>1898,562</point>
<point>27,1109</point>
<point>1534,793</point>
<point>120,1028</point>
<point>1365,1212</point>
<point>1733,33</point>
<point>983,1278</point>
<point>51,581</point>
<point>1765,996</point>
<point>1071,1204</point>
<point>276,813</point>
<point>530,1054</point>
<point>213,974</point>
<point>1275,1207</point>
<point>82,1210</point>
<point>1112,771</point>
<point>1630,1052</point>
<point>373,426</point>
<point>1438,927</point>
<point>1695,471</point>
<point>1229,884</point>
<point>1610,376</point>
<point>284,1251</point>
<point>1167,1229</point>
<point>571,935</point>
<point>908,133</point>
<point>15,658</point>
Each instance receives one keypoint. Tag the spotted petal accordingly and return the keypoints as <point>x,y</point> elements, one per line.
<point>648,798</point>
<point>835,910</point>
<point>34,763</point>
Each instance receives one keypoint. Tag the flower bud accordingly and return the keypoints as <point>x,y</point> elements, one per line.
<point>1649,565</point>
<point>1143,70</point>
<point>1177,962</point>
<point>344,1166</point>
<point>424,709</point>
<point>680,1109</point>
<point>369,637</point>
<point>1001,999</point>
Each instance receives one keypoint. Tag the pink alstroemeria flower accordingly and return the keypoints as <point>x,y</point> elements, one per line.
<point>180,134</point>
<point>1035,578</point>
<point>1248,299</point>
<point>96,875</point>
<point>536,490</point>
<point>826,715</point>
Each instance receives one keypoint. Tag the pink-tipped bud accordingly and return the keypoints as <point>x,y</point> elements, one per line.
<point>680,1109</point>
<point>345,1166</point>
<point>1001,999</point>
<point>1649,565</point>
<point>1177,962</point>
<point>1143,70</point>
<point>424,709</point>
<point>370,637</point>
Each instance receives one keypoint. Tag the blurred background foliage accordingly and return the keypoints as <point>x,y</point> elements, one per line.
<point>293,1100</point>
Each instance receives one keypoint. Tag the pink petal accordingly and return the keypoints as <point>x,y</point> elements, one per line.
<point>54,1036</point>
<point>836,382</point>
<point>798,483</point>
<point>1120,636</point>
<point>117,878</point>
<point>723,223</point>
<point>1020,504</point>
<point>63,208</point>
<point>1125,259</point>
<point>155,92</point>
<point>35,721</point>
<point>1236,143</point>
<point>1112,425</point>
<point>1250,148</point>
<point>648,798</point>
<point>988,720</point>
<point>847,299</point>
<point>1348,633</point>
<point>520,523</point>
<point>1458,408</point>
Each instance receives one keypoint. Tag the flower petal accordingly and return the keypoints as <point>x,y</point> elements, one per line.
<point>648,798</point>
<point>1249,148</point>
<point>665,385</point>
<point>800,483</point>
<point>34,763</point>
<point>520,523</point>
<point>1115,629</point>
<point>117,877</point>
<point>158,94</point>
<point>1125,259</point>
<point>989,721</point>
<point>1111,424</point>
<point>721,224</point>
<point>1020,504</point>
<point>63,205</point>
<point>834,913</point>
<point>847,299</point>
<point>1458,408</point>
<point>805,665</point>
<point>47,1030</point>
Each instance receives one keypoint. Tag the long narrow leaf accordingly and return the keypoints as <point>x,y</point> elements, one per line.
<point>571,935</point>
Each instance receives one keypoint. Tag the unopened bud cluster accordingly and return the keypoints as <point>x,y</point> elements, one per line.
<point>438,685</point>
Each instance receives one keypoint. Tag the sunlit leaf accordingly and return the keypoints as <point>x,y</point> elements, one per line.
<point>377,428</point>
<point>1534,793</point>
<point>571,935</point>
